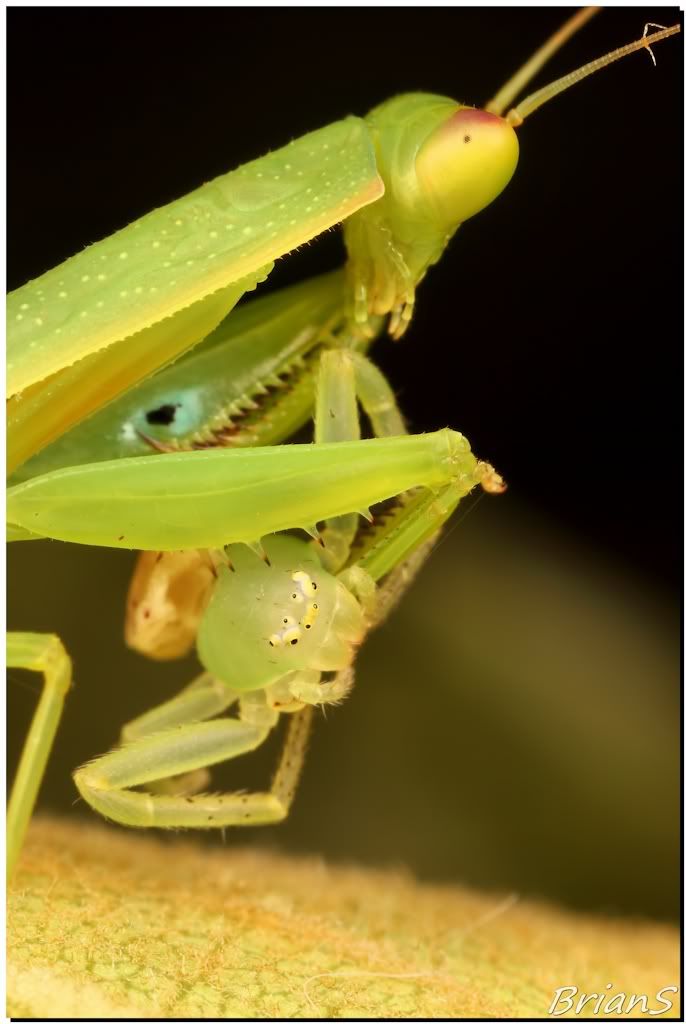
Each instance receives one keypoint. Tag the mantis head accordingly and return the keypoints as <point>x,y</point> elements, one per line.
<point>465,163</point>
<point>441,162</point>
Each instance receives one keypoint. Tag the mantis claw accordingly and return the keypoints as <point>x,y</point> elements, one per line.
<point>491,481</point>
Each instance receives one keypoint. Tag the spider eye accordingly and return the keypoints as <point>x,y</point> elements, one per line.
<point>291,634</point>
<point>306,585</point>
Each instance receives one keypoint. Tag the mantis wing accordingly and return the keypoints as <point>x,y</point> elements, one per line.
<point>170,278</point>
<point>181,253</point>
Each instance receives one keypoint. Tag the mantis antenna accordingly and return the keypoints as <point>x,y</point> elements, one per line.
<point>516,115</point>
<point>505,96</point>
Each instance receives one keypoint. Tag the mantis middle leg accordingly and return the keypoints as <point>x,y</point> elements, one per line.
<point>37,652</point>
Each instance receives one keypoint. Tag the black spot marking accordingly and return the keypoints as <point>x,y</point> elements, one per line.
<point>293,643</point>
<point>315,606</point>
<point>308,626</point>
<point>285,622</point>
<point>467,138</point>
<point>314,585</point>
<point>163,415</point>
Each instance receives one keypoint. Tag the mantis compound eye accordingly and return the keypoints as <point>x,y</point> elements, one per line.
<point>466,162</point>
<point>265,621</point>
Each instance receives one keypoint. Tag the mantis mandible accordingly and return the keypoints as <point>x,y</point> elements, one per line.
<point>60,382</point>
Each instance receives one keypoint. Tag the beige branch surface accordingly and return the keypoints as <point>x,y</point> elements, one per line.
<point>106,923</point>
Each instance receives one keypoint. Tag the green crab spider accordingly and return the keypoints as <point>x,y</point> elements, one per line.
<point>272,623</point>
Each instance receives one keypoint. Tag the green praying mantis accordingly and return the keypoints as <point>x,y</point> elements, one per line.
<point>89,331</point>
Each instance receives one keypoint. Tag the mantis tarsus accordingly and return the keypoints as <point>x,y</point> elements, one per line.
<point>403,304</point>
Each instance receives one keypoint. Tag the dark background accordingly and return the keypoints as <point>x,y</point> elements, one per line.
<point>550,334</point>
